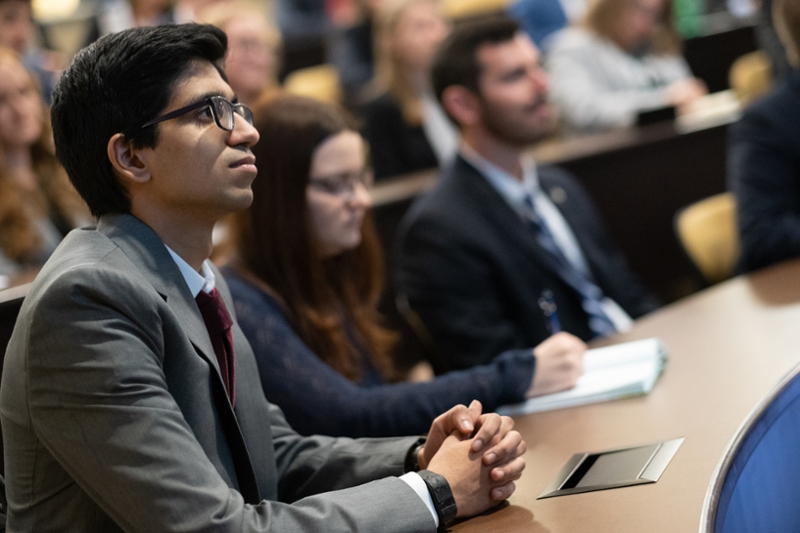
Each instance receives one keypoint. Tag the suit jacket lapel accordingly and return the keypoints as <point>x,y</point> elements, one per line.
<point>496,210</point>
<point>147,252</point>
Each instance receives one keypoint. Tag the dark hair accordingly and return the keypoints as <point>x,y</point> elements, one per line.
<point>328,301</point>
<point>456,61</point>
<point>114,86</point>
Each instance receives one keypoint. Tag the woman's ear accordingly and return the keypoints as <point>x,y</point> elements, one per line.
<point>125,160</point>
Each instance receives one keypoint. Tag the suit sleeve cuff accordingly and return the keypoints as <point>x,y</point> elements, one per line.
<point>415,482</point>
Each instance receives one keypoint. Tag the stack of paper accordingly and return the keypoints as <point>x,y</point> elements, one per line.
<point>610,373</point>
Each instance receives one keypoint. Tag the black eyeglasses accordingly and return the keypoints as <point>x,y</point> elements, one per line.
<point>221,109</point>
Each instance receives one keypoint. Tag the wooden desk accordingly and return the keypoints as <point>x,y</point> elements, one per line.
<point>729,346</point>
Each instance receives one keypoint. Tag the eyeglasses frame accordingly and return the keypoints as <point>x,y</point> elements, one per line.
<point>321,182</point>
<point>245,113</point>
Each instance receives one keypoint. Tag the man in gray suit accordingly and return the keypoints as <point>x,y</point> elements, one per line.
<point>126,405</point>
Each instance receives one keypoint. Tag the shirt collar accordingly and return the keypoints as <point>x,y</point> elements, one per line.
<point>197,282</point>
<point>511,189</point>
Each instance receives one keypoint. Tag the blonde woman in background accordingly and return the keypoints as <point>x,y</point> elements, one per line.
<point>38,205</point>
<point>625,59</point>
<point>254,44</point>
<point>403,123</point>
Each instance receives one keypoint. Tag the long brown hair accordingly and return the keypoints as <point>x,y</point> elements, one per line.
<point>331,303</point>
<point>20,208</point>
<point>605,16</point>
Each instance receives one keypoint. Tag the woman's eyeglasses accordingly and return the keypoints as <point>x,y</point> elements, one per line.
<point>221,109</point>
<point>343,185</point>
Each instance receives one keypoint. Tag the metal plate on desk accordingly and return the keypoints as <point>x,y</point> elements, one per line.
<point>620,467</point>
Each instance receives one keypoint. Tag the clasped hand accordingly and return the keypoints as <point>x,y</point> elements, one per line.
<point>480,455</point>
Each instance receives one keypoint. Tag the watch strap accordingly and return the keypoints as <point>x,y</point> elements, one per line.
<point>442,496</point>
<point>411,464</point>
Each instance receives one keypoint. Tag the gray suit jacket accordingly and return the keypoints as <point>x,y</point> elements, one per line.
<point>115,417</point>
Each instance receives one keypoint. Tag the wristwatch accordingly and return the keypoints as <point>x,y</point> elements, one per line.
<point>411,464</point>
<point>442,496</point>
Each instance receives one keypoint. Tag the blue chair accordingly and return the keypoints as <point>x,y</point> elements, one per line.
<point>539,18</point>
<point>759,483</point>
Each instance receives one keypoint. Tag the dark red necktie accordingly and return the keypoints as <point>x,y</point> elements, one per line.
<point>219,323</point>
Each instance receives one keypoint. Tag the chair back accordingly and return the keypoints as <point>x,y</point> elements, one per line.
<point>750,76</point>
<point>457,9</point>
<point>758,483</point>
<point>320,82</point>
<point>707,230</point>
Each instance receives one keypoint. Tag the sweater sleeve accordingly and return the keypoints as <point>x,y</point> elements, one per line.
<point>318,400</point>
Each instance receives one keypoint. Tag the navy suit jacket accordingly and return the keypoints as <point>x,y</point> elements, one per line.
<point>472,269</point>
<point>764,173</point>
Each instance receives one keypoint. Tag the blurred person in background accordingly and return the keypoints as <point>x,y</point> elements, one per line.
<point>17,32</point>
<point>188,10</point>
<point>352,50</point>
<point>254,45</point>
<point>764,160</point>
<point>625,59</point>
<point>542,18</point>
<point>306,280</point>
<point>38,205</point>
<point>302,20</point>
<point>404,125</point>
<point>117,15</point>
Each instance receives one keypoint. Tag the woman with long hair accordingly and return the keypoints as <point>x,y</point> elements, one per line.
<point>624,59</point>
<point>38,205</point>
<point>306,278</point>
<point>406,128</point>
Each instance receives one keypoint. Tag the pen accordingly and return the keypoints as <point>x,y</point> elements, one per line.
<point>548,306</point>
